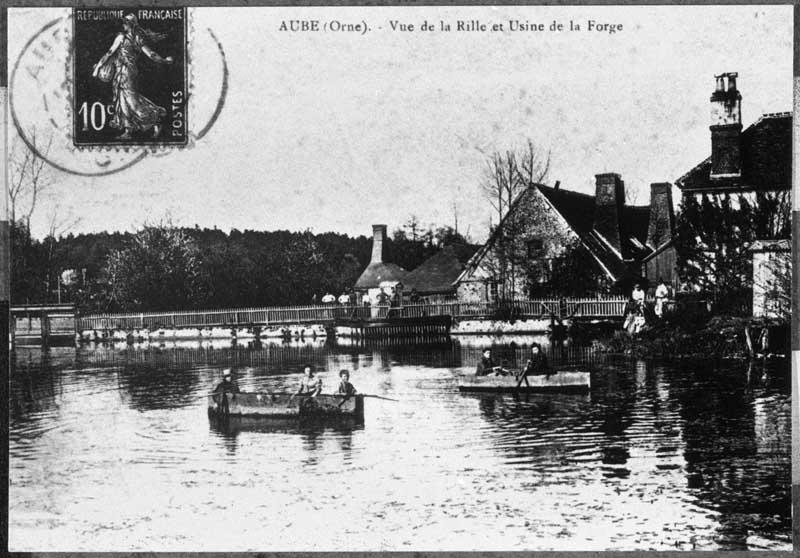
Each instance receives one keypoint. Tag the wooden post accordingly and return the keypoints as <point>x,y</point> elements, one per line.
<point>44,323</point>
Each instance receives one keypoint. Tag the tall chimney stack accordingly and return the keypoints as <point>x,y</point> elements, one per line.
<point>726,128</point>
<point>609,200</point>
<point>378,234</point>
<point>662,216</point>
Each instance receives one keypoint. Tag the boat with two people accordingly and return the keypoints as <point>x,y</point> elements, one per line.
<point>536,376</point>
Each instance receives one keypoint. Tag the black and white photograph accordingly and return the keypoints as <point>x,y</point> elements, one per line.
<point>398,278</point>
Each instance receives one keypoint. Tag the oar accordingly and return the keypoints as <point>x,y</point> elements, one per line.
<point>379,397</point>
<point>522,376</point>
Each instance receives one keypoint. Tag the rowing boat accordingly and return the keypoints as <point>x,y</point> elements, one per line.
<point>285,405</point>
<point>559,381</point>
<point>235,424</point>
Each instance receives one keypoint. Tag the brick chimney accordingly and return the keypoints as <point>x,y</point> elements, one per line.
<point>378,235</point>
<point>726,128</point>
<point>661,224</point>
<point>609,200</point>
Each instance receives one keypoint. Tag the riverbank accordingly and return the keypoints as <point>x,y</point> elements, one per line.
<point>721,337</point>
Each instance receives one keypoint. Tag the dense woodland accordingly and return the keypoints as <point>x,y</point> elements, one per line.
<point>168,268</point>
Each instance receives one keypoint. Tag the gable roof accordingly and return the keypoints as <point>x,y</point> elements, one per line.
<point>766,148</point>
<point>578,211</point>
<point>476,258</point>
<point>438,273</point>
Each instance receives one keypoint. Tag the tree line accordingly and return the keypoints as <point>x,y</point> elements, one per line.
<point>164,267</point>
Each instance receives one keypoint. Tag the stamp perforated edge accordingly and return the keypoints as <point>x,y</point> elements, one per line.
<point>132,147</point>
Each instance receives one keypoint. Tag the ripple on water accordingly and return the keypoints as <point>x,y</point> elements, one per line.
<point>708,451</point>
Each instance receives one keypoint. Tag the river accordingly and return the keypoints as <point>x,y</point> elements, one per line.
<point>111,448</point>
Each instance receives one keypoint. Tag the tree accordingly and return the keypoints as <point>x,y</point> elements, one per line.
<point>27,177</point>
<point>442,236</point>
<point>28,267</point>
<point>712,239</point>
<point>158,270</point>
<point>507,175</point>
<point>413,226</point>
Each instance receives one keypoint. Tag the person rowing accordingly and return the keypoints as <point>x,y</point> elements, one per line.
<point>536,365</point>
<point>227,385</point>
<point>345,387</point>
<point>487,367</point>
<point>309,385</point>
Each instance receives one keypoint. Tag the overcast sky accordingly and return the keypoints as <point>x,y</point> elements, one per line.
<point>335,132</point>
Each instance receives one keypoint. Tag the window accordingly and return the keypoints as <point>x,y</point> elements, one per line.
<point>491,291</point>
<point>535,248</point>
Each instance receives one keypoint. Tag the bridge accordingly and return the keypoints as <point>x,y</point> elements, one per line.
<point>43,323</point>
<point>332,314</point>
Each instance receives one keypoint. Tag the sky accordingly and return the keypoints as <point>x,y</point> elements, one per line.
<point>336,131</point>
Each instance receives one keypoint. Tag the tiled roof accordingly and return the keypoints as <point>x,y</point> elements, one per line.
<point>438,273</point>
<point>578,211</point>
<point>766,160</point>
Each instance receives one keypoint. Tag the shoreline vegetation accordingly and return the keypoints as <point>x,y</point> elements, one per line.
<point>718,338</point>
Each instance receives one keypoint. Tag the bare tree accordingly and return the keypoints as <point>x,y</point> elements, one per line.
<point>27,178</point>
<point>60,222</point>
<point>506,176</point>
<point>534,164</point>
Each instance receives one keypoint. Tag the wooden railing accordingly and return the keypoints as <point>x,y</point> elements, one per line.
<point>606,307</point>
<point>43,321</point>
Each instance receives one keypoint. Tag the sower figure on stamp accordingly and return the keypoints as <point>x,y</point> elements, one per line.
<point>133,112</point>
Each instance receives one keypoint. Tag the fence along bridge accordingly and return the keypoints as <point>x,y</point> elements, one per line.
<point>333,314</point>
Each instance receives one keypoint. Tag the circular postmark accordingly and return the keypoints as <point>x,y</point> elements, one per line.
<point>40,101</point>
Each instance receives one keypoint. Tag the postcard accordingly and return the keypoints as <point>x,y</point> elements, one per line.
<point>399,278</point>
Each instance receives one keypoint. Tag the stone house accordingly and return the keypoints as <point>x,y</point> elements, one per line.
<point>556,242</point>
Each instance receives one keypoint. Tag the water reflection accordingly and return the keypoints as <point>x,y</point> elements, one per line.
<point>656,456</point>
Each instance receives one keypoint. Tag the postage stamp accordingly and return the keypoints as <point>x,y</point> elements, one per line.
<point>129,77</point>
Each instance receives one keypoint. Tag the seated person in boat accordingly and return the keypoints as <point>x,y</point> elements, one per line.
<point>345,387</point>
<point>227,385</point>
<point>537,364</point>
<point>487,367</point>
<point>310,384</point>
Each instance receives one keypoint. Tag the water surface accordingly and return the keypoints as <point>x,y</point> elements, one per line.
<point>111,448</point>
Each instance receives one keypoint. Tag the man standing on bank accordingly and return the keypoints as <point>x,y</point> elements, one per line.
<point>662,293</point>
